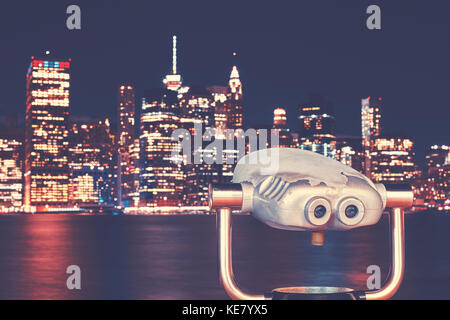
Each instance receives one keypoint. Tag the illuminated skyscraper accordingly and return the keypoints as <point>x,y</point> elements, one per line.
<point>126,130</point>
<point>234,107</point>
<point>197,115</point>
<point>126,136</point>
<point>93,164</point>
<point>161,176</point>
<point>370,125</point>
<point>279,118</point>
<point>11,165</point>
<point>285,138</point>
<point>436,187</point>
<point>317,127</point>
<point>349,151</point>
<point>47,173</point>
<point>219,94</point>
<point>392,160</point>
<point>196,107</point>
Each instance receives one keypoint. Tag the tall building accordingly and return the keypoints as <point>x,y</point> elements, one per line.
<point>197,115</point>
<point>196,108</point>
<point>126,106</point>
<point>317,127</point>
<point>47,172</point>
<point>161,177</point>
<point>435,189</point>
<point>234,106</point>
<point>349,151</point>
<point>127,176</point>
<point>285,137</point>
<point>11,166</point>
<point>370,126</point>
<point>173,81</point>
<point>219,94</point>
<point>393,160</point>
<point>93,164</point>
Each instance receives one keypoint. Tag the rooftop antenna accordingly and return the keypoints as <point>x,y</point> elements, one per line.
<point>174,55</point>
<point>173,80</point>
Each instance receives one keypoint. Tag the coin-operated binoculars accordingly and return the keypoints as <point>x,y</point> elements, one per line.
<point>293,189</point>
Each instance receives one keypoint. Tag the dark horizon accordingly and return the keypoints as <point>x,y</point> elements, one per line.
<point>284,53</point>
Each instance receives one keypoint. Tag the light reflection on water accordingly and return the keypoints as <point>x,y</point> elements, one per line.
<point>174,257</point>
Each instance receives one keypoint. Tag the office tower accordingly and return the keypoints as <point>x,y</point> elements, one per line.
<point>126,105</point>
<point>285,138</point>
<point>11,165</point>
<point>134,158</point>
<point>47,173</point>
<point>196,108</point>
<point>370,125</point>
<point>93,164</point>
<point>234,107</point>
<point>392,160</point>
<point>437,156</point>
<point>173,81</point>
<point>317,126</point>
<point>279,118</point>
<point>126,136</point>
<point>435,189</point>
<point>219,94</point>
<point>161,176</point>
<point>197,115</point>
<point>349,151</point>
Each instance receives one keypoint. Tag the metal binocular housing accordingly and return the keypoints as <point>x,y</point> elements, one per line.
<point>299,190</point>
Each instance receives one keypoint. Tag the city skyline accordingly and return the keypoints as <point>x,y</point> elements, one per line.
<point>280,74</point>
<point>69,163</point>
<point>114,116</point>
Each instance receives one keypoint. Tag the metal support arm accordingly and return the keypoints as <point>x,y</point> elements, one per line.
<point>225,258</point>
<point>397,230</point>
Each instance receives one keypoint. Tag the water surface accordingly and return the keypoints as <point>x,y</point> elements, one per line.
<point>175,257</point>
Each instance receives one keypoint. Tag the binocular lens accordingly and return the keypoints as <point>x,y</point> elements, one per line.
<point>351,211</point>
<point>320,211</point>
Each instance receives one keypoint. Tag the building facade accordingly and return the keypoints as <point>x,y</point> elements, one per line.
<point>370,126</point>
<point>435,187</point>
<point>47,172</point>
<point>317,127</point>
<point>234,103</point>
<point>197,116</point>
<point>285,137</point>
<point>161,178</point>
<point>93,164</point>
<point>393,160</point>
<point>127,177</point>
<point>11,166</point>
<point>219,94</point>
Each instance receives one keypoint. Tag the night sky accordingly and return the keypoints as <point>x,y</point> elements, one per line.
<point>285,51</point>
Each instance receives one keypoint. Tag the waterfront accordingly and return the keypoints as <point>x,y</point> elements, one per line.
<point>174,257</point>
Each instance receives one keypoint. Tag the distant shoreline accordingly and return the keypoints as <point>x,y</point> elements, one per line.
<point>178,213</point>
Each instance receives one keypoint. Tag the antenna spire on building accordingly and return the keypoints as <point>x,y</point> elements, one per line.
<point>174,54</point>
<point>234,73</point>
<point>173,80</point>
